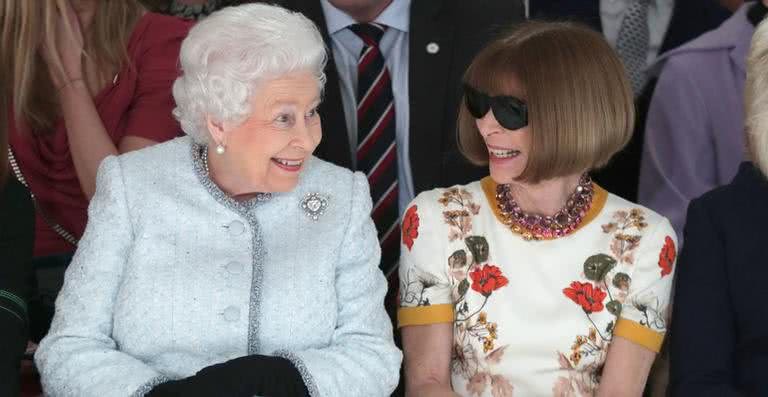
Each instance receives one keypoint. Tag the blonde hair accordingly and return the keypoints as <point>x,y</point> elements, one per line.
<point>756,98</point>
<point>580,104</point>
<point>27,25</point>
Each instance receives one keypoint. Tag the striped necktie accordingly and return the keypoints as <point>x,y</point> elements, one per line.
<point>376,148</point>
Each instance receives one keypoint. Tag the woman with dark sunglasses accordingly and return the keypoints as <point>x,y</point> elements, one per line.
<point>535,280</point>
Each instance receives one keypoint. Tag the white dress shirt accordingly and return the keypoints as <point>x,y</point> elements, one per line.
<point>346,47</point>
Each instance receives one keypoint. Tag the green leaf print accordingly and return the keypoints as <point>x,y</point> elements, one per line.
<point>614,307</point>
<point>596,267</point>
<point>622,281</point>
<point>478,246</point>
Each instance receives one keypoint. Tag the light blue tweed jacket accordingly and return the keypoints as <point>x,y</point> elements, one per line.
<point>172,276</point>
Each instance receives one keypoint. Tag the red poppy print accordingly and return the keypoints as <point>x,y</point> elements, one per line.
<point>487,279</point>
<point>410,227</point>
<point>667,256</point>
<point>589,297</point>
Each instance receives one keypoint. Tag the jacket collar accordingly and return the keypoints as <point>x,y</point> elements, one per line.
<point>734,35</point>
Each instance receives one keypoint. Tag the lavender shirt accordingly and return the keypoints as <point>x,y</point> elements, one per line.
<point>694,139</point>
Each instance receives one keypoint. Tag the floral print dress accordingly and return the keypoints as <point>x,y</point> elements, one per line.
<point>533,317</point>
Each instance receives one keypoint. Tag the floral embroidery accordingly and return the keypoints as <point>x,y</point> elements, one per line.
<point>589,297</point>
<point>474,354</point>
<point>487,332</point>
<point>624,242</point>
<point>597,269</point>
<point>473,275</point>
<point>608,276</point>
<point>622,281</point>
<point>589,351</point>
<point>410,226</point>
<point>654,316</point>
<point>415,286</point>
<point>477,383</point>
<point>667,256</point>
<point>475,326</point>
<point>479,377</point>
<point>500,386</point>
<point>487,279</point>
<point>460,221</point>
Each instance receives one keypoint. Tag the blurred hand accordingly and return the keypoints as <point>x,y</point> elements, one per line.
<point>64,53</point>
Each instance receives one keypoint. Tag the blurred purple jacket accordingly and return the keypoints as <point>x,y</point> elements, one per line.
<point>694,138</point>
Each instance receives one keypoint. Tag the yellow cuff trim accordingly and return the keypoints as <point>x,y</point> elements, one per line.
<point>639,334</point>
<point>423,315</point>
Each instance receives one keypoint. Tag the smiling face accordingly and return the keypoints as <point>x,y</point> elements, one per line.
<point>578,103</point>
<point>508,150</point>
<point>269,149</point>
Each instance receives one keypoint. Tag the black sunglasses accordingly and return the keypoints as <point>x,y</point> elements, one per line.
<point>510,112</point>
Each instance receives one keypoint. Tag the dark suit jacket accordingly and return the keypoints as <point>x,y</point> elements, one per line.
<point>17,219</point>
<point>460,28</point>
<point>690,18</point>
<point>720,318</point>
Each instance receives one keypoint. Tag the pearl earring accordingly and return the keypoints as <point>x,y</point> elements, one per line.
<point>220,149</point>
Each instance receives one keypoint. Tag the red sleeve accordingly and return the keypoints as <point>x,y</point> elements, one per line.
<point>149,115</point>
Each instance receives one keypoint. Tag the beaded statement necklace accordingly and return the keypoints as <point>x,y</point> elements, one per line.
<point>537,227</point>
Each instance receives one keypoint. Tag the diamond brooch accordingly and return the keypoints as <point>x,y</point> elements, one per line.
<point>314,205</point>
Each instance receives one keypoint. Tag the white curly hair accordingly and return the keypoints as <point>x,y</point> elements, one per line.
<point>226,56</point>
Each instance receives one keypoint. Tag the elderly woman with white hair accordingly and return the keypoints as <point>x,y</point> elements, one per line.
<point>720,318</point>
<point>229,262</point>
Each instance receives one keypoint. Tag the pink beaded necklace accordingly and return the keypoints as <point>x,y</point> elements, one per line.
<point>537,227</point>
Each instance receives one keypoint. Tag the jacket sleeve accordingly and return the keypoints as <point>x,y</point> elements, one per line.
<point>78,357</point>
<point>362,359</point>
<point>702,346</point>
<point>677,155</point>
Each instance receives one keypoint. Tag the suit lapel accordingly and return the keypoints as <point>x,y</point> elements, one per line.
<point>335,144</point>
<point>428,74</point>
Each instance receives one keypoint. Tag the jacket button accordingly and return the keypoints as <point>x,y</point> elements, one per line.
<point>236,228</point>
<point>231,313</point>
<point>234,267</point>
